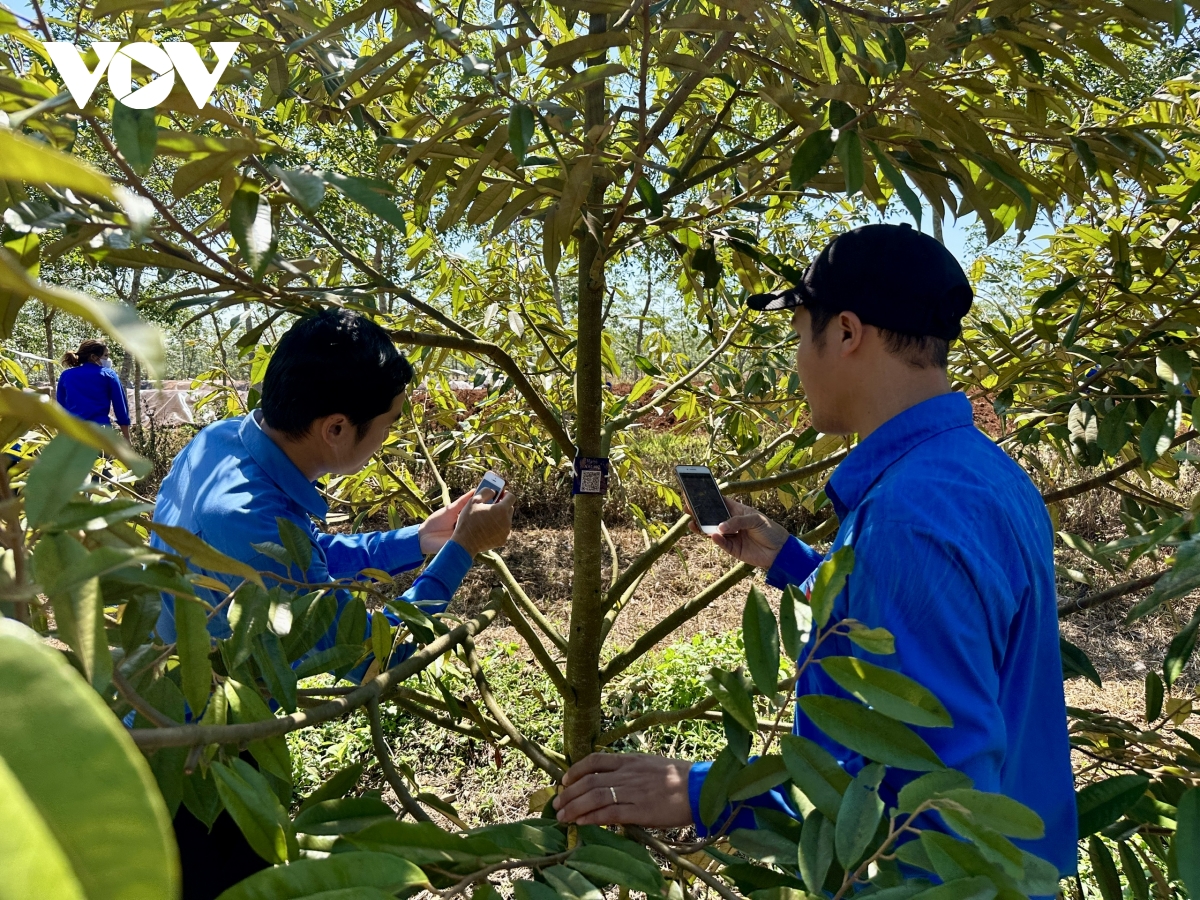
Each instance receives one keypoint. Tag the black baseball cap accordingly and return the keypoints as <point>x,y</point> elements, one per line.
<point>891,276</point>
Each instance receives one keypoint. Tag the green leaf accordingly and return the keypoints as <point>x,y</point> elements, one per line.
<point>870,733</point>
<point>1183,578</point>
<point>247,705</point>
<point>421,626</point>
<point>714,793</point>
<point>256,810</point>
<point>279,676</point>
<point>59,473</point>
<point>608,865</point>
<point>201,554</point>
<point>22,159</point>
<point>570,885</point>
<point>79,769</point>
<point>1159,430</point>
<point>330,660</point>
<point>816,851</point>
<point>1104,870</point>
<point>849,152</point>
<point>306,188</point>
<point>810,158</point>
<point>352,622</point>
<point>978,887</point>
<point>874,640</point>
<point>192,645</point>
<point>1000,813</point>
<point>789,621</point>
<point>338,785</point>
<point>365,196</point>
<point>1076,663</point>
<point>1154,695</point>
<point>733,693</point>
<point>816,773</point>
<point>1173,366</point>
<point>828,583</point>
<point>1103,802</point>
<point>928,786</point>
<point>247,618</point>
<point>520,131</point>
<point>1186,845</point>
<point>907,195</point>
<point>78,607</point>
<point>766,846</point>
<point>340,871</point>
<point>136,134</point>
<point>533,890</point>
<point>896,696</point>
<point>988,843</point>
<point>342,815</point>
<point>1131,866</point>
<point>736,736</point>
<point>251,226</point>
<point>423,843</point>
<point>382,635</point>
<point>1180,650</point>
<point>32,859</point>
<point>759,777</point>
<point>649,194</point>
<point>298,543</point>
<point>859,816</point>
<point>761,637</point>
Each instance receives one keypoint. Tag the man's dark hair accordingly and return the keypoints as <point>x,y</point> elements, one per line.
<point>918,351</point>
<point>333,362</point>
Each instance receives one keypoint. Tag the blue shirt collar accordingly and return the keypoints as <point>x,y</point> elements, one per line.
<point>893,439</point>
<point>272,460</point>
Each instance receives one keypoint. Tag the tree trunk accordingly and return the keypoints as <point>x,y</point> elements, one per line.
<point>581,711</point>
<point>48,321</point>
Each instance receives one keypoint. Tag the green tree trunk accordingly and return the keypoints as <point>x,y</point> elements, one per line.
<point>582,710</point>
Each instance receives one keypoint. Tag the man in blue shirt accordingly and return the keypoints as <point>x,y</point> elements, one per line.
<point>952,545</point>
<point>331,394</point>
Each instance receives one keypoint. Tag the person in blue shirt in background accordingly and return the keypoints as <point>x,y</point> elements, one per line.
<point>953,550</point>
<point>332,392</point>
<point>89,388</point>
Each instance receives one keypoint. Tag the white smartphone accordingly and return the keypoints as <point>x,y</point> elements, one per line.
<point>703,496</point>
<point>493,482</point>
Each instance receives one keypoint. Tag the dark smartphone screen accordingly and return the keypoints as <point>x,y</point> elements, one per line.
<point>704,498</point>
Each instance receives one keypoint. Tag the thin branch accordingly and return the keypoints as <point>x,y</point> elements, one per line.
<point>375,689</point>
<point>644,837</point>
<point>884,19</point>
<point>645,560</point>
<point>612,552</point>
<point>737,488</point>
<point>384,755</point>
<point>540,653</point>
<point>1111,475</point>
<point>496,562</point>
<point>1070,607</point>
<point>522,743</point>
<point>654,718</point>
<point>433,466</point>
<point>688,610</point>
<point>506,866</point>
<point>140,703</point>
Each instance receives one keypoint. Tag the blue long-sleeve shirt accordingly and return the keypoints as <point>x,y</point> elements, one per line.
<point>231,483</point>
<point>89,391</point>
<point>953,554</point>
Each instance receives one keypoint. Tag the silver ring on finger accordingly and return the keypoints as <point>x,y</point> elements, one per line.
<point>612,790</point>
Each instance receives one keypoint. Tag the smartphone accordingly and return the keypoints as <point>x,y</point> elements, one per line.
<point>491,481</point>
<point>703,496</point>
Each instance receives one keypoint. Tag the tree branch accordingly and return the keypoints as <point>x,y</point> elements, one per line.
<point>1111,475</point>
<point>540,653</point>
<point>496,561</point>
<point>522,743</point>
<point>375,689</point>
<point>644,837</point>
<point>645,560</point>
<point>384,755</point>
<point>688,610</point>
<point>140,703</point>
<point>1070,607</point>
<point>737,488</point>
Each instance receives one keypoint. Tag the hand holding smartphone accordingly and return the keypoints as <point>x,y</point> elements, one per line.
<point>493,482</point>
<point>703,497</point>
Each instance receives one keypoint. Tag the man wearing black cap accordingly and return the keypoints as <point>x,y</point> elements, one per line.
<point>952,545</point>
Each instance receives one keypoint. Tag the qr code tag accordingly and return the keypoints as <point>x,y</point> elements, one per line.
<point>590,475</point>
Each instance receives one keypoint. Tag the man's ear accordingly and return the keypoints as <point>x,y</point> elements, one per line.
<point>851,332</point>
<point>333,428</point>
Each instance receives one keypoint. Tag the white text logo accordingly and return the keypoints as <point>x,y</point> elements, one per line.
<point>164,61</point>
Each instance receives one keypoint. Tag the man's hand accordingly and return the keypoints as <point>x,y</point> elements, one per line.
<point>437,529</point>
<point>483,525</point>
<point>748,535</point>
<point>626,789</point>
